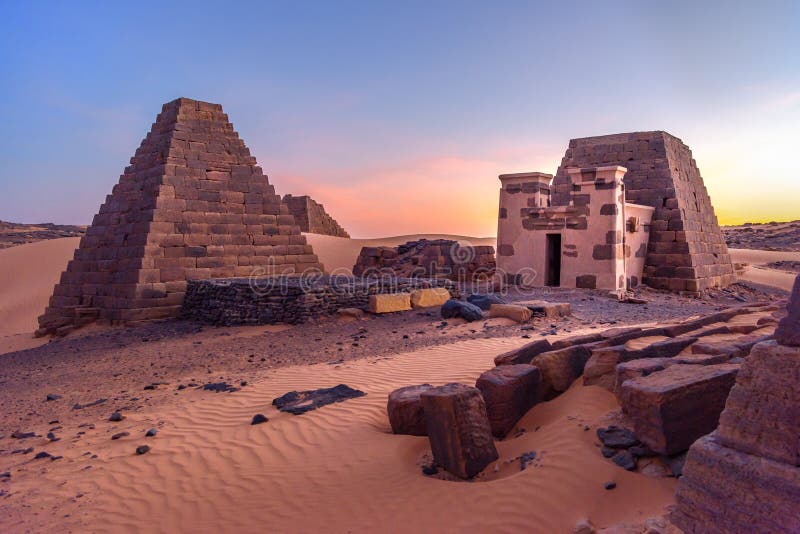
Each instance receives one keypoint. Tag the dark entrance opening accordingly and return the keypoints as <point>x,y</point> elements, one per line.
<point>553,260</point>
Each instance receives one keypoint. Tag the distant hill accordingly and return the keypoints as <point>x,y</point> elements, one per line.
<point>766,236</point>
<point>12,234</point>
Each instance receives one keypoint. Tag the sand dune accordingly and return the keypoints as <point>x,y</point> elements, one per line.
<point>27,276</point>
<point>336,469</point>
<point>758,273</point>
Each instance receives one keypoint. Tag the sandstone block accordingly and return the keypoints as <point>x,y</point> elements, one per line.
<point>523,354</point>
<point>458,428</point>
<point>762,416</point>
<point>727,491</point>
<point>425,298</point>
<point>670,409</point>
<point>560,368</point>
<point>520,314</point>
<point>551,310</point>
<point>788,329</point>
<point>390,302</point>
<point>509,392</point>
<point>406,414</point>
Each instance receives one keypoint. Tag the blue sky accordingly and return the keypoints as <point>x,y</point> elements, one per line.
<point>399,116</point>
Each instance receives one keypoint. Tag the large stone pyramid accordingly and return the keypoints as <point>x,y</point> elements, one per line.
<point>686,250</point>
<point>192,205</point>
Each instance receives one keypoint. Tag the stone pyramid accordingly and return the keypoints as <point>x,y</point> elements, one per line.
<point>193,204</point>
<point>745,476</point>
<point>686,250</point>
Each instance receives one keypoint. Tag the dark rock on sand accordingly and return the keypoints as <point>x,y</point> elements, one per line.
<point>219,387</point>
<point>52,397</point>
<point>151,433</point>
<point>299,402</point>
<point>457,308</point>
<point>120,435</point>
<point>258,419</point>
<point>484,302</point>
<point>625,460</point>
<point>617,438</point>
<point>142,449</point>
<point>116,417</point>
<point>18,434</point>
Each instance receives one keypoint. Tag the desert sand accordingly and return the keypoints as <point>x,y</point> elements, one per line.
<point>335,469</point>
<point>758,271</point>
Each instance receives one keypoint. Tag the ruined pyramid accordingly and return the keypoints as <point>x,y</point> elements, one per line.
<point>686,249</point>
<point>193,204</point>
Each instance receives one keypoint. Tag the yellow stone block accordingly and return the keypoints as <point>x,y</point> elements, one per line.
<point>520,314</point>
<point>433,296</point>
<point>392,302</point>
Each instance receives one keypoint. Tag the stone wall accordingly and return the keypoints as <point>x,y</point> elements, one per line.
<point>686,250</point>
<point>289,300</point>
<point>438,258</point>
<point>312,217</point>
<point>193,204</point>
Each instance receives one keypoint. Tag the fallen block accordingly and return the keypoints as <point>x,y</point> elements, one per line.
<point>520,314</point>
<point>636,368</point>
<point>457,308</point>
<point>509,392</point>
<point>551,310</point>
<point>428,297</point>
<point>670,409</point>
<point>560,368</point>
<point>458,429</point>
<point>524,354</point>
<point>405,411</point>
<point>484,302</point>
<point>388,303</point>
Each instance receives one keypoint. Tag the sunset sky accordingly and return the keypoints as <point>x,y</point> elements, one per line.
<point>399,116</point>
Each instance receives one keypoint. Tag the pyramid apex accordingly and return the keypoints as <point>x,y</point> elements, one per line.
<point>191,104</point>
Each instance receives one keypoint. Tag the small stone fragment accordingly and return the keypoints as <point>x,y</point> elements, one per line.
<point>258,419</point>
<point>116,417</point>
<point>142,449</point>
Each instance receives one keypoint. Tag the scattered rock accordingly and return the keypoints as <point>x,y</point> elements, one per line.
<point>52,397</point>
<point>93,403</point>
<point>18,434</point>
<point>610,485</point>
<point>219,387</point>
<point>406,414</point>
<point>560,368</point>
<point>116,417</point>
<point>526,459</point>
<point>151,433</point>
<point>457,308</point>
<point>142,449</point>
<point>258,419</point>
<point>459,429</point>
<point>43,454</point>
<point>484,302</point>
<point>617,438</point>
<point>300,402</point>
<point>625,460</point>
<point>356,313</point>
<point>429,470</point>
<point>120,435</point>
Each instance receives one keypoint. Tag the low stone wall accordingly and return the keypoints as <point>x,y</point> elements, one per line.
<point>290,300</point>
